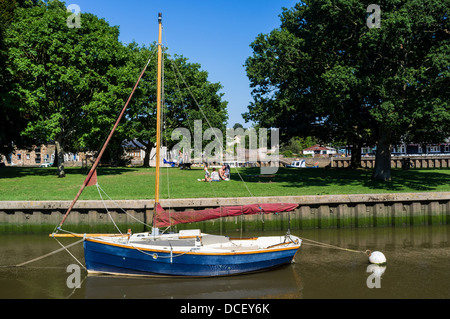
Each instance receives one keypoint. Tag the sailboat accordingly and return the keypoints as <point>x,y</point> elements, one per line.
<point>187,252</point>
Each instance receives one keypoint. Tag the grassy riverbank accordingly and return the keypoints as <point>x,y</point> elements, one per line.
<point>138,183</point>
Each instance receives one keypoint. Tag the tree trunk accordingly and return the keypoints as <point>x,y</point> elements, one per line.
<point>382,171</point>
<point>147,149</point>
<point>146,158</point>
<point>355,161</point>
<point>60,159</point>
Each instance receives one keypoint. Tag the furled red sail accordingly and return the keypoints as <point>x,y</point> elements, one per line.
<point>164,218</point>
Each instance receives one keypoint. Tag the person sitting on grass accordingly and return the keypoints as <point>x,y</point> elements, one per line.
<point>207,178</point>
<point>222,173</point>
<point>227,172</point>
<point>215,176</point>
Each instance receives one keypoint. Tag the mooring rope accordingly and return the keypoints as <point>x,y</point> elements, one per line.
<point>324,245</point>
<point>47,255</point>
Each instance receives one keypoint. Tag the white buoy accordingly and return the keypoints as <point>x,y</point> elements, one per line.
<point>377,258</point>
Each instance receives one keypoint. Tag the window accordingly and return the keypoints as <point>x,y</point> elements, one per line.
<point>433,149</point>
<point>19,157</point>
<point>400,149</point>
<point>447,148</point>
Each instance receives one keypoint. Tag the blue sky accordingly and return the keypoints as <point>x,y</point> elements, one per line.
<point>214,33</point>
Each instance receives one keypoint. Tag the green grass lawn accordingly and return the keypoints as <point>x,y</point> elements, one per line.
<point>138,183</point>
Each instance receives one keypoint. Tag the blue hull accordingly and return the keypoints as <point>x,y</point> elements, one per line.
<point>117,259</point>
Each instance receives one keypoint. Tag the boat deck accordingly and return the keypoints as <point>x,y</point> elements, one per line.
<point>214,242</point>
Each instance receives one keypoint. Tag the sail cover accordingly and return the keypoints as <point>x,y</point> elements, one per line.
<point>164,218</point>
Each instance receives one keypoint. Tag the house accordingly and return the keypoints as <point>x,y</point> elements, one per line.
<point>319,151</point>
<point>40,155</point>
<point>135,151</point>
<point>406,149</point>
<point>419,149</point>
<point>34,156</point>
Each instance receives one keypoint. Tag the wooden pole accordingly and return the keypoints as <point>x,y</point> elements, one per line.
<point>94,167</point>
<point>158,111</point>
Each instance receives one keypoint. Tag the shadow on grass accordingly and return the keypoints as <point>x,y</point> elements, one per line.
<point>333,179</point>
<point>17,172</point>
<point>326,181</point>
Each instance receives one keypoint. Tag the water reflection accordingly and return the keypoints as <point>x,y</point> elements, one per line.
<point>283,282</point>
<point>417,267</point>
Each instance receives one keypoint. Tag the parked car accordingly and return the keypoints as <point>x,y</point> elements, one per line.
<point>46,165</point>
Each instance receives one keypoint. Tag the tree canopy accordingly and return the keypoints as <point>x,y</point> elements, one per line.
<point>68,84</point>
<point>326,73</point>
<point>11,122</point>
<point>188,96</point>
<point>64,79</point>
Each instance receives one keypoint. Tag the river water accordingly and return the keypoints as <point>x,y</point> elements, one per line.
<point>417,268</point>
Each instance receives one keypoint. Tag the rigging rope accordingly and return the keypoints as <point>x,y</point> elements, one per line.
<point>209,124</point>
<point>164,115</point>
<point>118,206</point>
<point>65,248</point>
<point>204,116</point>
<point>174,66</point>
<point>155,255</point>
<point>99,156</point>
<point>109,215</point>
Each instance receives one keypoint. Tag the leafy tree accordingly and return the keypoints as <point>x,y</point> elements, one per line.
<point>188,96</point>
<point>11,121</point>
<point>67,81</point>
<point>325,73</point>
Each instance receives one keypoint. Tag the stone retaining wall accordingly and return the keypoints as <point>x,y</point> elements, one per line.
<point>320,211</point>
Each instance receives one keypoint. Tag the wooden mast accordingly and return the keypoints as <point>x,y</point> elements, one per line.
<point>91,178</point>
<point>158,113</point>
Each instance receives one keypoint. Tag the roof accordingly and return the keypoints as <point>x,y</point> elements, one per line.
<point>132,144</point>
<point>316,147</point>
